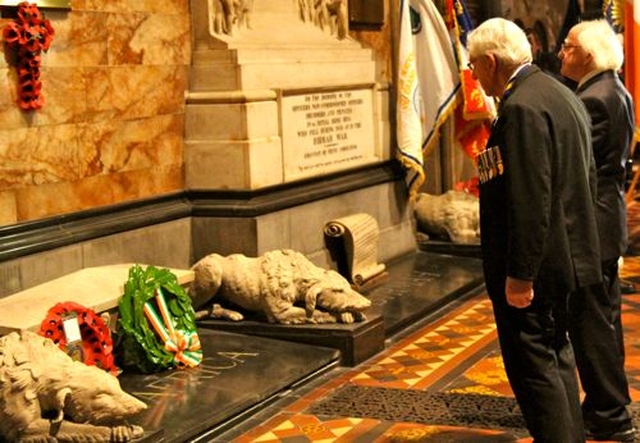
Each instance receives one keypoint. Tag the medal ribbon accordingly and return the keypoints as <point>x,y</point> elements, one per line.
<point>184,344</point>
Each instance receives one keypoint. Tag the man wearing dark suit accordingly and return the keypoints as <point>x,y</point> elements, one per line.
<point>538,228</point>
<point>591,56</point>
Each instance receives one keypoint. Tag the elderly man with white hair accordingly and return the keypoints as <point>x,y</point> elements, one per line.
<point>538,231</point>
<point>591,56</point>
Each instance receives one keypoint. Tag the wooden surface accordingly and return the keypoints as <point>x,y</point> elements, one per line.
<point>97,288</point>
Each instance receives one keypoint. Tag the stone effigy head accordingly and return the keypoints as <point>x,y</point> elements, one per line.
<point>45,394</point>
<point>98,399</point>
<point>333,293</point>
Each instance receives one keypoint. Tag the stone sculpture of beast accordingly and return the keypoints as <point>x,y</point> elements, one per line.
<point>282,284</point>
<point>45,396</point>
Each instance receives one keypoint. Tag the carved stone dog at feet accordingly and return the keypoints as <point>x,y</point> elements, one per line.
<point>283,284</point>
<point>454,214</point>
<point>45,396</point>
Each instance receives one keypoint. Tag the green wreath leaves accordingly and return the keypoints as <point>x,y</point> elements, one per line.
<point>139,345</point>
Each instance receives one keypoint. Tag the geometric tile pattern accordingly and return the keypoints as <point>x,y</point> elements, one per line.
<point>423,357</point>
<point>402,388</point>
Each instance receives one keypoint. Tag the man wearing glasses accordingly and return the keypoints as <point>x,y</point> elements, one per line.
<point>591,56</point>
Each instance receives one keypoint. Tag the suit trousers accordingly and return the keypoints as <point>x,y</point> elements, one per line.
<point>596,333</point>
<point>540,366</point>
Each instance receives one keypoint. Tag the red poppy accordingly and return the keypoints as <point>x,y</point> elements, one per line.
<point>27,34</point>
<point>34,17</point>
<point>25,75</point>
<point>29,62</point>
<point>46,35</point>
<point>29,13</point>
<point>11,34</point>
<point>33,46</point>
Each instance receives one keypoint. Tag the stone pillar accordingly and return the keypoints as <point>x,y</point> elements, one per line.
<point>278,92</point>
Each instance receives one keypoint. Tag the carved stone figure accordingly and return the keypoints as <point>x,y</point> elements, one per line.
<point>227,14</point>
<point>338,17</point>
<point>329,14</point>
<point>45,396</point>
<point>305,10</point>
<point>283,285</point>
<point>454,214</point>
<point>243,9</point>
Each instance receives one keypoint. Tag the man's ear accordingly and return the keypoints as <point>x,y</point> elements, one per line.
<point>492,60</point>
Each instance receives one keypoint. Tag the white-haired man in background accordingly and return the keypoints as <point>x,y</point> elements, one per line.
<point>591,56</point>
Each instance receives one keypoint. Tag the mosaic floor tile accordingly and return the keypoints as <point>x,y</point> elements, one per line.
<point>443,383</point>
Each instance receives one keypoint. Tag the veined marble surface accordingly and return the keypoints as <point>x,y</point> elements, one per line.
<point>112,125</point>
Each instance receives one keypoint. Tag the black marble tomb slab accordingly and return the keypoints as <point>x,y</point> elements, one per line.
<point>238,374</point>
<point>356,342</point>
<point>419,284</point>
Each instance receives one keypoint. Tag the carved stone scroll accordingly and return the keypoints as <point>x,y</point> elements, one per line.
<point>359,233</point>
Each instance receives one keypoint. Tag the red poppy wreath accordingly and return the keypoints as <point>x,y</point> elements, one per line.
<point>96,342</point>
<point>27,37</point>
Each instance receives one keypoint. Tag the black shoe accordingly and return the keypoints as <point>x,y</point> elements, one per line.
<point>628,435</point>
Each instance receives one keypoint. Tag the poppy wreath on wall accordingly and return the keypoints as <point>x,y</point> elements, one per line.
<point>27,37</point>
<point>96,346</point>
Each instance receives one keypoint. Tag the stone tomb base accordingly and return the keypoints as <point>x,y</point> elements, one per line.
<point>238,374</point>
<point>356,342</point>
<point>417,285</point>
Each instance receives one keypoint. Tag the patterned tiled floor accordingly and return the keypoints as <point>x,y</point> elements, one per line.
<point>446,360</point>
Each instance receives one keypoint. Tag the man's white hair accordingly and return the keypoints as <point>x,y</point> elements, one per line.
<point>502,38</point>
<point>597,37</point>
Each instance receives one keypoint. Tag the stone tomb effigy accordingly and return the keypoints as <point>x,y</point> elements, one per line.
<point>238,372</point>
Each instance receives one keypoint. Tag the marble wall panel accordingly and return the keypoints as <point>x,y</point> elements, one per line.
<point>135,144</point>
<point>155,6</point>
<point>40,155</point>
<point>81,39</point>
<point>147,91</point>
<point>8,208</point>
<point>149,39</point>
<point>36,202</point>
<point>112,127</point>
<point>64,99</point>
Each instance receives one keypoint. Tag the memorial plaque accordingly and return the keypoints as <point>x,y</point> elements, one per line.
<point>326,131</point>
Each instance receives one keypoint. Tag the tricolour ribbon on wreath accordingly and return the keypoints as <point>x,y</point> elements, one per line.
<point>184,344</point>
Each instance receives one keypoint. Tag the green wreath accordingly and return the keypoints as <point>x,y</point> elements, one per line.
<point>140,342</point>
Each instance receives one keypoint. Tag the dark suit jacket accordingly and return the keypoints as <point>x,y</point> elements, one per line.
<point>537,217</point>
<point>611,110</point>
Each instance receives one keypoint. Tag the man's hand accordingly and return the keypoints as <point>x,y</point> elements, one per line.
<point>519,292</point>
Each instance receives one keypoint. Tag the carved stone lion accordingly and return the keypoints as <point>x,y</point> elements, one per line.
<point>454,214</point>
<point>45,396</point>
<point>283,285</point>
